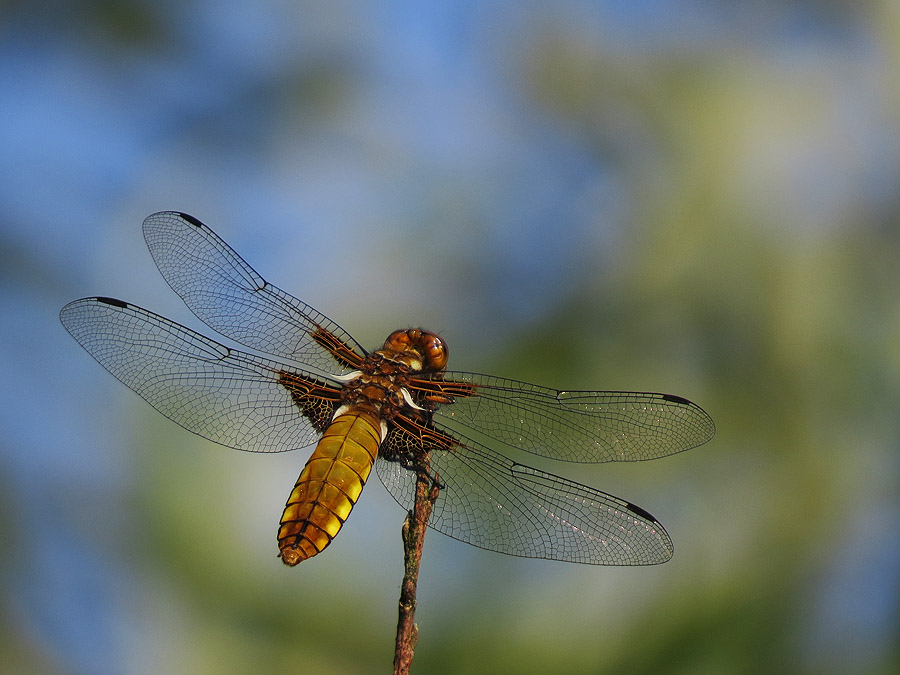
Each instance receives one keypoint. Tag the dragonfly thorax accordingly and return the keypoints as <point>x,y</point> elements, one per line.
<point>381,382</point>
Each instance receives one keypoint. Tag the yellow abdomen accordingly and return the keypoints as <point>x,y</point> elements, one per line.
<point>329,485</point>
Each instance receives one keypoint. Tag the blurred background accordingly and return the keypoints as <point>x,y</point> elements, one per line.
<point>692,197</point>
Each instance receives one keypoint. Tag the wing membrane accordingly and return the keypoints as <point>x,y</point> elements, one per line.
<point>573,426</point>
<point>221,394</point>
<point>491,502</point>
<point>233,299</point>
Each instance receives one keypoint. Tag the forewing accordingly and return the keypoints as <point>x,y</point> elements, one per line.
<point>573,426</point>
<point>227,396</point>
<point>231,298</point>
<point>494,503</point>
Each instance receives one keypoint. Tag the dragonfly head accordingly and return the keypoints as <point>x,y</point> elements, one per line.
<point>423,349</point>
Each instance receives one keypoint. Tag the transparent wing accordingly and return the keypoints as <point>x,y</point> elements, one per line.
<point>494,503</point>
<point>227,396</point>
<point>573,426</point>
<point>231,298</point>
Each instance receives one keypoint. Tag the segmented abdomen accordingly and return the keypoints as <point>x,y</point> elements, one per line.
<point>329,485</point>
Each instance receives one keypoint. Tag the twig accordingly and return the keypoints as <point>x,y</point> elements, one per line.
<point>413,539</point>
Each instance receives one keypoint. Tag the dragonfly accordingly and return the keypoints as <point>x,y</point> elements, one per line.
<point>396,409</point>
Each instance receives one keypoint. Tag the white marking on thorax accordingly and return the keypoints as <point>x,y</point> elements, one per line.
<point>340,411</point>
<point>348,377</point>
<point>408,398</point>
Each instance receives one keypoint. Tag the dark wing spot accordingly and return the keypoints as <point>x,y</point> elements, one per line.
<point>113,302</point>
<point>634,508</point>
<point>189,218</point>
<point>672,398</point>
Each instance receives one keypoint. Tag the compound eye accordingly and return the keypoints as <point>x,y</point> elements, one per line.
<point>428,346</point>
<point>434,351</point>
<point>398,341</point>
